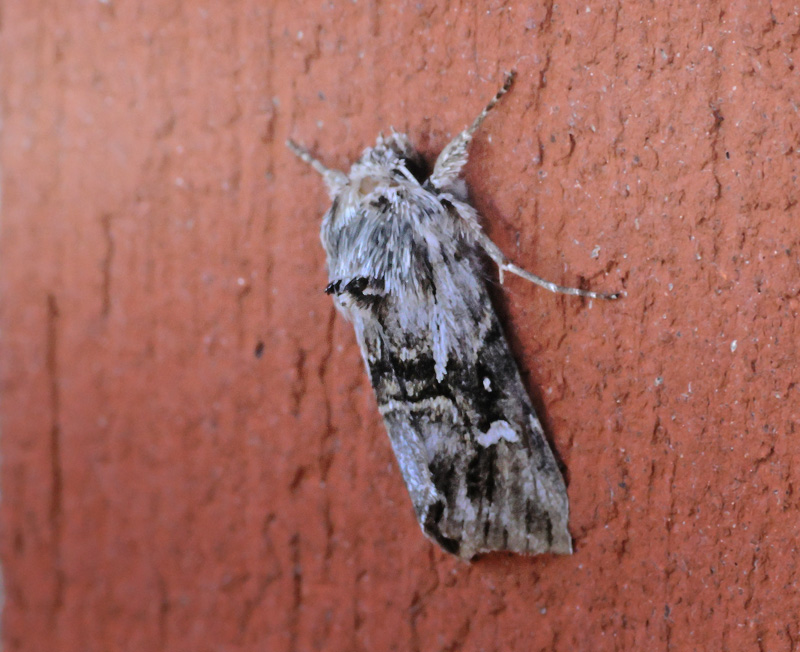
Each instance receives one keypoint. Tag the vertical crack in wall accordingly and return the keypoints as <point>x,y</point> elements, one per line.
<point>297,592</point>
<point>328,445</point>
<point>56,474</point>
<point>108,261</point>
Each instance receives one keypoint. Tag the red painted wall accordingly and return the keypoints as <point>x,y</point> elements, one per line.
<point>192,458</point>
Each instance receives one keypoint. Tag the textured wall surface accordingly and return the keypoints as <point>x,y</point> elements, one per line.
<point>192,455</point>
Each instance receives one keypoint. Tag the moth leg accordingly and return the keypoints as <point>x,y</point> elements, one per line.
<point>470,217</point>
<point>505,265</point>
<point>454,155</point>
<point>334,179</point>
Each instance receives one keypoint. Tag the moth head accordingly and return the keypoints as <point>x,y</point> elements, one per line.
<point>396,154</point>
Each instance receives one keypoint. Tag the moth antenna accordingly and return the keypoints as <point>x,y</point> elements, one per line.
<point>469,131</point>
<point>334,179</point>
<point>454,156</point>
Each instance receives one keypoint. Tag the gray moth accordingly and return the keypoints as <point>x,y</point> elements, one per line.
<point>405,255</point>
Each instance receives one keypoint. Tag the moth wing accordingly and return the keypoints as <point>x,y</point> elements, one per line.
<point>473,454</point>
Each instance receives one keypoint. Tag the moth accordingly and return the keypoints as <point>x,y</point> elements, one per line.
<point>405,254</point>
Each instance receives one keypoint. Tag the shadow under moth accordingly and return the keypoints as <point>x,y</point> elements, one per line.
<point>405,261</point>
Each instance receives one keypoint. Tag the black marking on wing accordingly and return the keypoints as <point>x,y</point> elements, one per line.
<point>538,520</point>
<point>445,478</point>
<point>382,203</point>
<point>481,472</point>
<point>432,528</point>
<point>414,379</point>
<point>365,292</point>
<point>499,370</point>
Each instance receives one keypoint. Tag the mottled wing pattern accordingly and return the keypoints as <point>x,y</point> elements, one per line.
<point>472,452</point>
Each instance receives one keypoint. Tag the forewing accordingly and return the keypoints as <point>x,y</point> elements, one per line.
<point>472,452</point>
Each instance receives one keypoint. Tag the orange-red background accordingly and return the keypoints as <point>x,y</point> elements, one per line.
<point>166,488</point>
